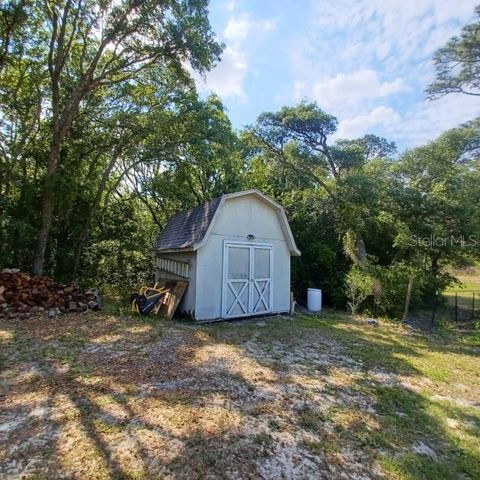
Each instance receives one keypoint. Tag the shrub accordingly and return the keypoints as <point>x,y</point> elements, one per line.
<point>359,285</point>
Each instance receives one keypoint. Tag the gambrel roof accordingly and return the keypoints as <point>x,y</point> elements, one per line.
<point>186,229</point>
<point>189,230</point>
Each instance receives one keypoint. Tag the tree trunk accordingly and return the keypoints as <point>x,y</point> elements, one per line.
<point>85,232</point>
<point>354,247</point>
<point>82,238</point>
<point>47,205</point>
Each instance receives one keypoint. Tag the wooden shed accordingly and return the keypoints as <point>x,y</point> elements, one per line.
<point>235,253</point>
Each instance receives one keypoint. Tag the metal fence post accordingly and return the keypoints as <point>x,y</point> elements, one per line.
<point>473,305</point>
<point>456,306</point>
<point>434,310</point>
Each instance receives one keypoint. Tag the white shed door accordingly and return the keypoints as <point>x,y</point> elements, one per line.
<point>247,287</point>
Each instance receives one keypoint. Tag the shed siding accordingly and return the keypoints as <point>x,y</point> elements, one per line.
<point>187,304</point>
<point>239,217</point>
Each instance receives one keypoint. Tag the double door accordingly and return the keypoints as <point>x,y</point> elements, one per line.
<point>247,279</point>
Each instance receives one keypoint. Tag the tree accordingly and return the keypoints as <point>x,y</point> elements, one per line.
<point>457,64</point>
<point>91,45</point>
<point>297,138</point>
<point>193,157</point>
<point>434,198</point>
<point>13,15</point>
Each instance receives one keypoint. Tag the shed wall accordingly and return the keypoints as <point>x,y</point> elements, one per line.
<point>238,218</point>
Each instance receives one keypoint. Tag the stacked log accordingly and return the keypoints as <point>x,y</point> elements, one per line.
<point>22,296</point>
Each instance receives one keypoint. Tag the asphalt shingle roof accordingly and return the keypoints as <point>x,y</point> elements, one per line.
<point>186,229</point>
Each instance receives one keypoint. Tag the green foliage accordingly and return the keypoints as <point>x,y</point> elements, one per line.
<point>359,285</point>
<point>136,144</point>
<point>81,85</point>
<point>118,257</point>
<point>390,288</point>
<point>322,263</point>
<point>457,64</point>
<point>351,202</point>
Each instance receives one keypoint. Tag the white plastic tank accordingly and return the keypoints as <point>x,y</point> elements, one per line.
<point>314,299</point>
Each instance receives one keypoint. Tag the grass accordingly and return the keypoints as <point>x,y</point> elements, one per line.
<point>262,439</point>
<point>311,419</point>
<point>469,279</point>
<point>446,367</point>
<point>467,293</point>
<point>328,396</point>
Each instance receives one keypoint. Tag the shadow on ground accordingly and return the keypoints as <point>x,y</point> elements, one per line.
<point>100,396</point>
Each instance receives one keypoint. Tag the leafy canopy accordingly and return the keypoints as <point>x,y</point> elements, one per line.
<point>457,64</point>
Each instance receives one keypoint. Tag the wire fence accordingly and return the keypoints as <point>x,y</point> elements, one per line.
<point>461,305</point>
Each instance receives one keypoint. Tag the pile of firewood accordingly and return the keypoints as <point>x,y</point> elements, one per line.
<point>22,296</point>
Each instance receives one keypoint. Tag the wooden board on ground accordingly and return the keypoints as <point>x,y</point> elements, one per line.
<point>171,299</point>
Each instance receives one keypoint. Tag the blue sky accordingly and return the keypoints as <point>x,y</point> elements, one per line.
<point>365,61</point>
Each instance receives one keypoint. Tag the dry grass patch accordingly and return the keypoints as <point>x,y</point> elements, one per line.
<point>100,396</point>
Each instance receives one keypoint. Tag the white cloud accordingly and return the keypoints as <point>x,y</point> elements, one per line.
<point>361,124</point>
<point>237,28</point>
<point>240,34</point>
<point>355,86</point>
<point>354,55</point>
<point>362,34</point>
<point>426,120</point>
<point>230,5</point>
<point>422,122</point>
<point>299,89</point>
<point>404,24</point>
<point>227,79</point>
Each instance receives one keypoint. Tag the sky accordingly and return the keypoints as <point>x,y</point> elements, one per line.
<point>367,62</point>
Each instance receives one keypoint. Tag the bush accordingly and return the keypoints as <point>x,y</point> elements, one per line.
<point>381,290</point>
<point>359,285</point>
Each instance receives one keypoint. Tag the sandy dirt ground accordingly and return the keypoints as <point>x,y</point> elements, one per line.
<point>98,396</point>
